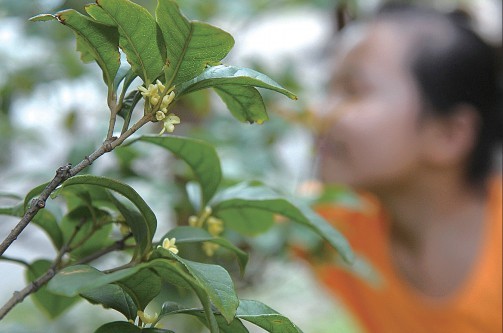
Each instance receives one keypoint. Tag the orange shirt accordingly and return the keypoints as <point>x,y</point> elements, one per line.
<point>384,303</point>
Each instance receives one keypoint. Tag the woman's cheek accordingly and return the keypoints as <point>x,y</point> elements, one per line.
<point>366,144</point>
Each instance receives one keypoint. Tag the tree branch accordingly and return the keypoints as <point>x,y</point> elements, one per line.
<point>19,296</point>
<point>118,245</point>
<point>62,174</point>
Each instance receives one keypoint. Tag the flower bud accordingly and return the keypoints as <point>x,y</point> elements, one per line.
<point>159,115</point>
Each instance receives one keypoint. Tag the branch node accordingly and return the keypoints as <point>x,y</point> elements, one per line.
<point>64,171</point>
<point>35,284</point>
<point>88,159</point>
<point>108,144</point>
<point>40,203</point>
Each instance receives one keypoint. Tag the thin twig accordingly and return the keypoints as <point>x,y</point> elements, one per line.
<point>112,105</point>
<point>62,174</point>
<point>19,296</point>
<point>16,260</point>
<point>117,246</point>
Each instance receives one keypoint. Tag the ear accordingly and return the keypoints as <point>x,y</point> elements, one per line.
<point>449,140</point>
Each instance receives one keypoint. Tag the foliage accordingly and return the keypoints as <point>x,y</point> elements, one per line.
<point>173,57</point>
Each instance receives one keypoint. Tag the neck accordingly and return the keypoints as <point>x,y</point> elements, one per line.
<point>429,205</point>
<point>435,223</point>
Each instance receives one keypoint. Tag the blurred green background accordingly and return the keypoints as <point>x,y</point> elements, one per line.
<point>53,110</point>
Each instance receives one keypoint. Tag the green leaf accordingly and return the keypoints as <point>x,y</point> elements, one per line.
<point>138,226</point>
<point>217,283</point>
<point>89,238</point>
<point>230,75</point>
<point>96,41</point>
<point>114,297</point>
<point>191,45</point>
<point>186,234</point>
<point>172,272</point>
<point>127,108</point>
<point>140,37</point>
<point>304,215</point>
<point>142,286</point>
<point>32,194</point>
<point>41,18</point>
<point>253,311</point>
<point>248,221</point>
<point>52,304</point>
<point>98,14</point>
<point>175,272</point>
<point>259,197</point>
<point>126,327</point>
<point>199,155</point>
<point>44,218</point>
<point>12,211</point>
<point>128,192</point>
<point>168,308</point>
<point>126,74</point>
<point>118,326</point>
<point>86,55</point>
<point>245,103</point>
<point>235,326</point>
<point>73,280</point>
<point>265,317</point>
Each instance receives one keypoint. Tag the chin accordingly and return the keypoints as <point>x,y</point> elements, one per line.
<point>348,179</point>
<point>337,175</point>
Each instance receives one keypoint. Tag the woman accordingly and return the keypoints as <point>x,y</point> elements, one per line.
<point>412,119</point>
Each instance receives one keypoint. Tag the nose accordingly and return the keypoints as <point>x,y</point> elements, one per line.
<point>330,114</point>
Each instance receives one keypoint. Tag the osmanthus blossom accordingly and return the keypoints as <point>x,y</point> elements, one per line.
<point>146,318</point>
<point>169,244</point>
<point>152,95</point>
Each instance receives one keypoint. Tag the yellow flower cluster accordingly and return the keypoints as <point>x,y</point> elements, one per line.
<point>152,95</point>
<point>214,225</point>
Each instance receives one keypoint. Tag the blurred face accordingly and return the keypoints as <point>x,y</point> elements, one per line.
<point>370,136</point>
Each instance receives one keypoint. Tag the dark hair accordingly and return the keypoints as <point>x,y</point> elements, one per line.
<point>454,66</point>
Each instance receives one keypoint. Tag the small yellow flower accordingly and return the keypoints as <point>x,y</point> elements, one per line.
<point>210,248</point>
<point>169,244</point>
<point>215,226</point>
<point>160,86</point>
<point>159,115</point>
<point>154,99</point>
<point>169,123</point>
<point>167,99</point>
<point>193,221</point>
<point>146,318</point>
<point>206,212</point>
<point>152,90</point>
